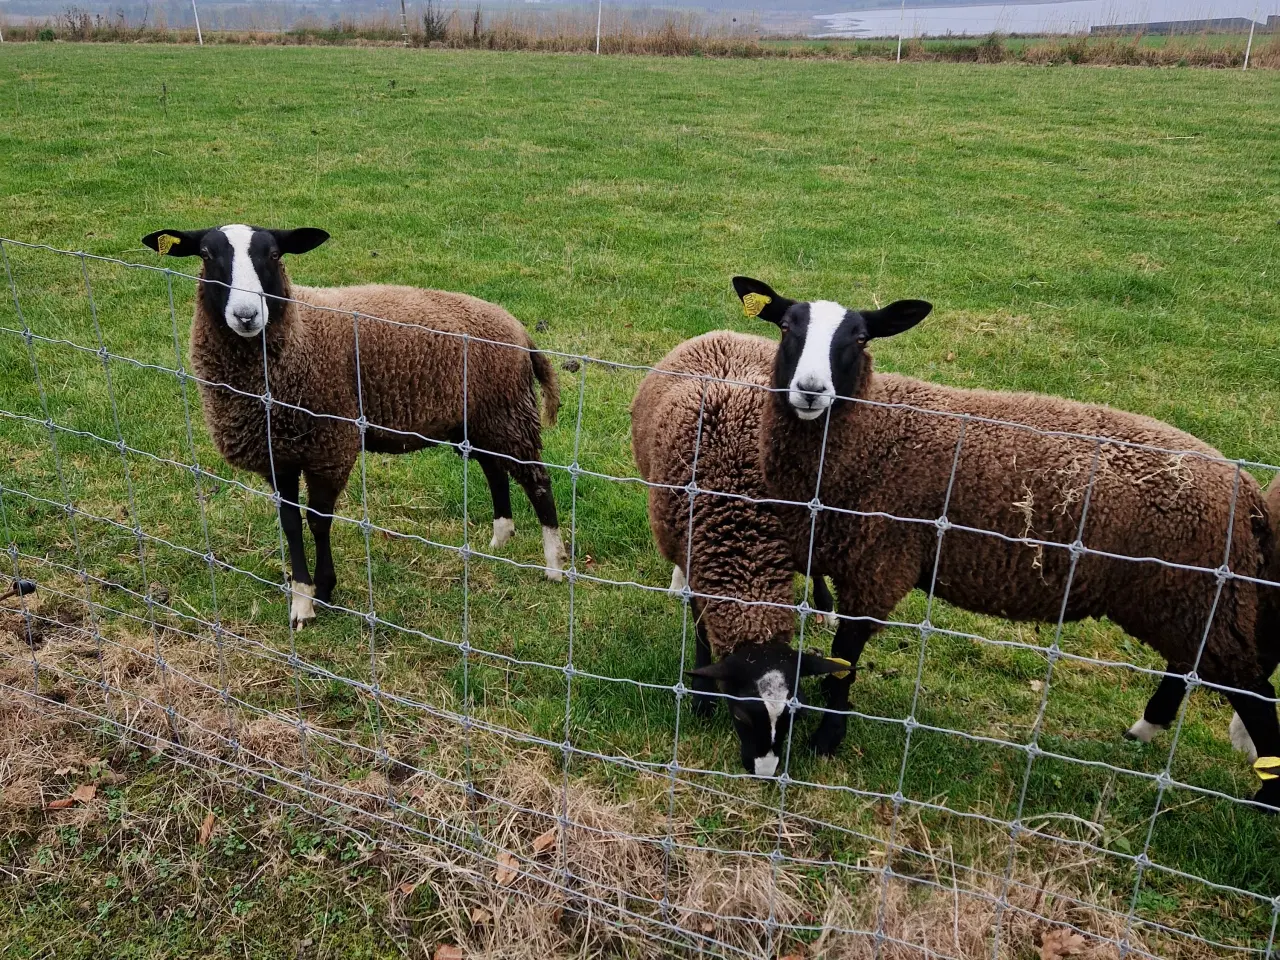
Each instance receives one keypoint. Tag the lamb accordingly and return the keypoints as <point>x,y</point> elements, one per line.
<point>736,548</point>
<point>1134,499</point>
<point>410,388</point>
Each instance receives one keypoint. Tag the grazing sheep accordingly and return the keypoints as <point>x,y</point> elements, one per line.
<point>736,548</point>
<point>410,388</point>
<point>1173,502</point>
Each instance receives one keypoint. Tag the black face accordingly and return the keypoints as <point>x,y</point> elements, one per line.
<point>821,354</point>
<point>241,268</point>
<point>761,682</point>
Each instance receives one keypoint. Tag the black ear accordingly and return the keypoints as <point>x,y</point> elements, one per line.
<point>713,671</point>
<point>760,300</point>
<point>812,665</point>
<point>175,243</point>
<point>301,240</point>
<point>896,317</point>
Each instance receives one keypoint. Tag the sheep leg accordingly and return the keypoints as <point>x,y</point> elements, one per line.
<point>822,600</point>
<point>1259,719</point>
<point>533,478</point>
<point>1161,709</point>
<point>500,490</point>
<point>703,705</point>
<point>301,589</point>
<point>322,497</point>
<point>851,637</point>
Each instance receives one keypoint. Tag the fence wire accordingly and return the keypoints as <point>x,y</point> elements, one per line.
<point>220,681</point>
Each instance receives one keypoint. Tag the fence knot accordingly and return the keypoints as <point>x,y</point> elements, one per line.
<point>465,448</point>
<point>814,506</point>
<point>943,524</point>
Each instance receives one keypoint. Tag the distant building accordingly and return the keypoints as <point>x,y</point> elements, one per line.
<point>1218,25</point>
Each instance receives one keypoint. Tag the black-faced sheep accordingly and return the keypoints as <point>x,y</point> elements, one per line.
<point>410,387</point>
<point>1158,493</point>
<point>733,548</point>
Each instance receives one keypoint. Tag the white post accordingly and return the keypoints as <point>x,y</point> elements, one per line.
<point>404,23</point>
<point>199,35</point>
<point>599,15</point>
<point>1249,45</point>
<point>902,16</point>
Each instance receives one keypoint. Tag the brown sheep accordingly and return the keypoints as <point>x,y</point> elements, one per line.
<point>410,389</point>
<point>733,548</point>
<point>1159,493</point>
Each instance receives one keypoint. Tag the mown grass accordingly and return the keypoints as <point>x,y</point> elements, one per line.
<point>1105,235</point>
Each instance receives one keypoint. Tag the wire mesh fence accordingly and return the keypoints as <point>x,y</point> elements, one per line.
<point>535,741</point>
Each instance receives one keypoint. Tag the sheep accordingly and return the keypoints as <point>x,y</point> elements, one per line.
<point>410,389</point>
<point>736,548</point>
<point>1159,493</point>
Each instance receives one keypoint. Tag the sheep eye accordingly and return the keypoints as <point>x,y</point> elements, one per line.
<point>862,340</point>
<point>275,256</point>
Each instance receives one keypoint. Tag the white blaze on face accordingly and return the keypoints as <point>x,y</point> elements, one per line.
<point>813,370</point>
<point>772,688</point>
<point>246,312</point>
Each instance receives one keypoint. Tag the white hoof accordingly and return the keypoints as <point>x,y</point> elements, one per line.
<point>504,529</point>
<point>554,553</point>
<point>1144,731</point>
<point>1240,738</point>
<point>301,609</point>
<point>678,581</point>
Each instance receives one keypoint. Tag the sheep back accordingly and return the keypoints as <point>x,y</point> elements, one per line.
<point>738,548</point>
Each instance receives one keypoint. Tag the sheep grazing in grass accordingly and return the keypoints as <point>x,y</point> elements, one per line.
<point>1156,495</point>
<point>734,549</point>
<point>410,387</point>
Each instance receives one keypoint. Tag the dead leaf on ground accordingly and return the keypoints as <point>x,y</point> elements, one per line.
<point>557,914</point>
<point>407,888</point>
<point>545,842</point>
<point>64,771</point>
<point>1060,942</point>
<point>508,870</point>
<point>62,804</point>
<point>206,830</point>
<point>1037,685</point>
<point>448,951</point>
<point>84,793</point>
<point>479,915</point>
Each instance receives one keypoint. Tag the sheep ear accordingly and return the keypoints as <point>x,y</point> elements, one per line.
<point>896,317</point>
<point>302,240</point>
<point>175,243</point>
<point>760,300</point>
<point>713,671</point>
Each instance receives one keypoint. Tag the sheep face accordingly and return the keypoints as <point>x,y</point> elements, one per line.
<point>242,276</point>
<point>821,355</point>
<point>759,684</point>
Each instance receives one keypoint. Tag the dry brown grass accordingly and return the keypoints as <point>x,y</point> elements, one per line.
<point>656,33</point>
<point>535,864</point>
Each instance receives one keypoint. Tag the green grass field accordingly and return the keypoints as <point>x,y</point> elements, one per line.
<point>1107,235</point>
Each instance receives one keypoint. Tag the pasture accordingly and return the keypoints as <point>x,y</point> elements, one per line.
<point>1104,234</point>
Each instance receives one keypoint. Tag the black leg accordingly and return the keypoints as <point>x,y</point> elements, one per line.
<point>287,486</point>
<point>495,474</point>
<point>536,483</point>
<point>1162,708</point>
<point>822,599</point>
<point>703,705</point>
<point>851,637</point>
<point>322,497</point>
<point>1259,718</point>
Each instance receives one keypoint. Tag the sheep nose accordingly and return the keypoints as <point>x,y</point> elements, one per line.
<point>244,312</point>
<point>810,389</point>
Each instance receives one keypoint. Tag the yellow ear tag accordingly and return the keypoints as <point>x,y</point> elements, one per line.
<point>753,303</point>
<point>844,663</point>
<point>165,243</point>
<point>1267,768</point>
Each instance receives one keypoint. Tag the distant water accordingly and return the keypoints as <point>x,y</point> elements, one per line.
<point>1070,16</point>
